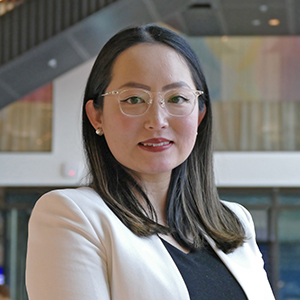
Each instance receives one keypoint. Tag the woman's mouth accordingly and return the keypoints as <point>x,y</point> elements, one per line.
<point>155,144</point>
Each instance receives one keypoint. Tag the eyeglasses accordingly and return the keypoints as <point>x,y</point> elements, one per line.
<point>178,102</point>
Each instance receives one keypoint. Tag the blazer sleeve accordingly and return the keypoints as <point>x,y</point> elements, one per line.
<point>65,257</point>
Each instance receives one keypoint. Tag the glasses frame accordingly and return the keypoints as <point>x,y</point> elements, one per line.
<point>196,93</point>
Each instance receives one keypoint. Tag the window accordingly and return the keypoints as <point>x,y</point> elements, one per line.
<point>276,215</point>
<point>26,125</point>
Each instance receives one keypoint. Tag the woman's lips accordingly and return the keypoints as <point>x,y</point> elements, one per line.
<point>156,145</point>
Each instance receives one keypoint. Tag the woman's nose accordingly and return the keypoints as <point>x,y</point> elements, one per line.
<point>157,115</point>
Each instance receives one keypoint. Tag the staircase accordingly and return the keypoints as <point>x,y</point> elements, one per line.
<point>42,39</point>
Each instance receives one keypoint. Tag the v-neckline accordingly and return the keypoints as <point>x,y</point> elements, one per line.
<point>167,244</point>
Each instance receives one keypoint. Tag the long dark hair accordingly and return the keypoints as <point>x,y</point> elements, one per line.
<point>193,206</point>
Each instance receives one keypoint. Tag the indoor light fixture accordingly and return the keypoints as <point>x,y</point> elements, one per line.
<point>274,22</point>
<point>256,22</point>
<point>52,63</point>
<point>263,8</point>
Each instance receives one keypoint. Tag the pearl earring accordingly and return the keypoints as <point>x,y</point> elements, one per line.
<point>99,131</point>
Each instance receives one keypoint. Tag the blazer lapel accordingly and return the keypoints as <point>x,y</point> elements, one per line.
<point>248,270</point>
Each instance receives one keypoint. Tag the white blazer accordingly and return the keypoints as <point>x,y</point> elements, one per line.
<point>79,250</point>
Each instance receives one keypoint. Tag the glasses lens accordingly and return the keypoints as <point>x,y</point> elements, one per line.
<point>180,102</point>
<point>134,102</point>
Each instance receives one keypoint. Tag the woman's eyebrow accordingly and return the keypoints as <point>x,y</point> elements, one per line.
<point>175,85</point>
<point>135,85</point>
<point>147,87</point>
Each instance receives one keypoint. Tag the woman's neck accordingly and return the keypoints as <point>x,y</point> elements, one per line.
<point>156,188</point>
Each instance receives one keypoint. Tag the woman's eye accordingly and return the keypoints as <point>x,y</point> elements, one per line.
<point>133,100</point>
<point>177,99</point>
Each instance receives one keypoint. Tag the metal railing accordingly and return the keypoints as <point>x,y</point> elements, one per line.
<point>25,24</point>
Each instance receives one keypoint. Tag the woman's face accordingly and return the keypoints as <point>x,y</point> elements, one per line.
<point>156,142</point>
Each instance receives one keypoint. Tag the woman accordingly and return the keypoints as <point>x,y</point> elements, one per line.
<point>150,225</point>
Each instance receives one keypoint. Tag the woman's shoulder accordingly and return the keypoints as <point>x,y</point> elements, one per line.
<point>79,196</point>
<point>79,210</point>
<point>75,201</point>
<point>243,215</point>
<point>237,208</point>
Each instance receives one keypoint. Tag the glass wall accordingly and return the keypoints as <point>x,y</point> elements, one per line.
<point>289,246</point>
<point>16,207</point>
<point>276,215</point>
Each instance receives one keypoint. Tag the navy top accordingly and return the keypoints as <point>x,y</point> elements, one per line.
<point>205,275</point>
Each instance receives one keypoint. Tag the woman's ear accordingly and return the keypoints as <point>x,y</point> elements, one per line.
<point>94,115</point>
<point>201,114</point>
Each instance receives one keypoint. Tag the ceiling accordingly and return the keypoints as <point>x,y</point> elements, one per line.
<point>194,18</point>
<point>235,17</point>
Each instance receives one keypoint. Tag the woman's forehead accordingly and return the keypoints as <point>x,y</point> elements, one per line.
<point>146,63</point>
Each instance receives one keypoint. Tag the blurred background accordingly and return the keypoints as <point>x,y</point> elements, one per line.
<point>250,54</point>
